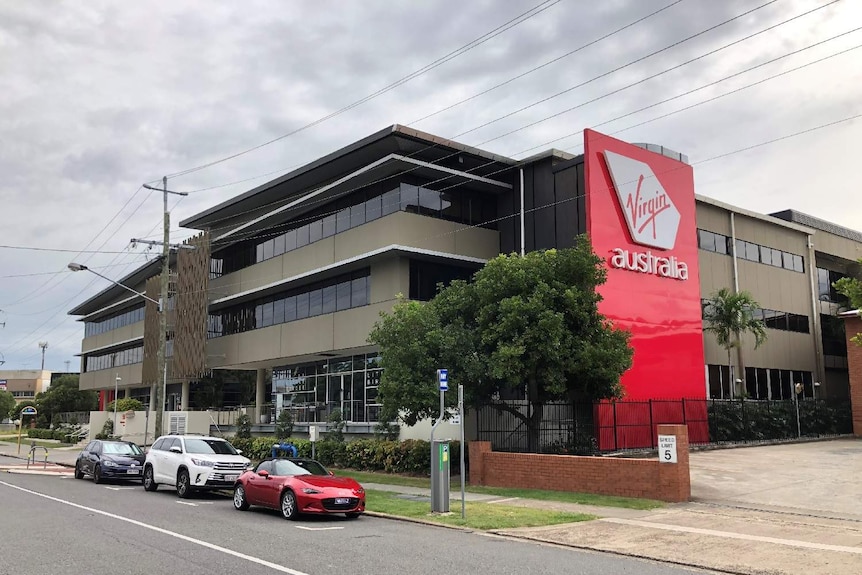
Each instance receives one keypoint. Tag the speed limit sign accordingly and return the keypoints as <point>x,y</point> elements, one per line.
<point>667,448</point>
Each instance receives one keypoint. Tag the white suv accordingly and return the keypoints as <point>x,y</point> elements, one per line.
<point>192,463</point>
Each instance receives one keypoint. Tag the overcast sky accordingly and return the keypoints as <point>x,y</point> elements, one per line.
<point>98,97</point>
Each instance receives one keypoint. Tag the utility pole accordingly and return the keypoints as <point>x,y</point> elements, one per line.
<point>44,346</point>
<point>162,369</point>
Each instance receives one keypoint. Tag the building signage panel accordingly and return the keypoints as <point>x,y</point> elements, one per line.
<point>667,449</point>
<point>2,385</point>
<point>641,220</point>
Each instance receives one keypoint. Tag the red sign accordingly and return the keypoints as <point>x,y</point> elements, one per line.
<point>641,220</point>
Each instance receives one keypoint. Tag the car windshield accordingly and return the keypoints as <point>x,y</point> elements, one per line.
<point>216,446</point>
<point>299,467</point>
<point>121,449</point>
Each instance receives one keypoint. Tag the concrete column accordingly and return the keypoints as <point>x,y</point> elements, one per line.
<point>184,397</point>
<point>258,395</point>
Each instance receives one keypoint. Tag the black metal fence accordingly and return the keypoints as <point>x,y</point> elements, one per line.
<point>593,428</point>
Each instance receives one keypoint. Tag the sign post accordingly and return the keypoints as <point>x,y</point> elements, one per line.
<point>312,437</point>
<point>667,449</point>
<point>440,454</point>
<point>461,425</point>
<point>29,410</point>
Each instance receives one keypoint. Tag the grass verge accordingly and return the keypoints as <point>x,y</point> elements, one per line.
<point>26,442</point>
<point>561,496</point>
<point>484,516</point>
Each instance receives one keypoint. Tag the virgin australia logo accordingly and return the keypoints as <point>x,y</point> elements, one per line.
<point>651,216</point>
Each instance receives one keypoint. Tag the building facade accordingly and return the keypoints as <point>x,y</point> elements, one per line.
<point>24,384</point>
<point>302,267</point>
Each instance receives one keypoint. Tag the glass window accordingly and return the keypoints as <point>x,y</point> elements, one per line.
<point>290,308</point>
<point>706,240</point>
<point>357,215</point>
<point>409,198</point>
<point>342,220</point>
<point>264,466</point>
<point>302,306</point>
<point>315,231</point>
<point>302,234</point>
<point>328,224</point>
<point>258,253</point>
<point>429,202</point>
<point>328,299</point>
<point>278,311</point>
<point>290,241</point>
<point>787,261</point>
<point>266,314</point>
<point>752,251</point>
<point>777,258</point>
<point>342,296</point>
<point>268,246</point>
<point>766,256</point>
<point>258,315</point>
<point>359,292</point>
<point>721,244</point>
<point>450,206</point>
<point>373,208</point>
<point>212,446</point>
<point>315,302</point>
<point>390,201</point>
<point>278,245</point>
<point>798,264</point>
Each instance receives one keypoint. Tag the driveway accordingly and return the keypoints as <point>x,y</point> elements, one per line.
<point>822,478</point>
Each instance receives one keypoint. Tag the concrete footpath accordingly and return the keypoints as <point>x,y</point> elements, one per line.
<point>723,532</point>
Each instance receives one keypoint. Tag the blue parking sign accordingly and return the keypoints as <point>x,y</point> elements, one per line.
<point>443,379</point>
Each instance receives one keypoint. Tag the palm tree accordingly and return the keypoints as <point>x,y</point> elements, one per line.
<point>729,316</point>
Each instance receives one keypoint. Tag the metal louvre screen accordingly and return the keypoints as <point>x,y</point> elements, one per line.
<point>190,314</point>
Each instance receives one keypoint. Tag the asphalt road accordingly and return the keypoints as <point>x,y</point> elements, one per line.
<point>50,525</point>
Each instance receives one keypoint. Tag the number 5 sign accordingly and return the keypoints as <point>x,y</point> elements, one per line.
<point>667,448</point>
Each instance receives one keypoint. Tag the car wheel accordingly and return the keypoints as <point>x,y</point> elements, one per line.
<point>149,481</point>
<point>239,501</point>
<point>353,515</point>
<point>184,486</point>
<point>97,475</point>
<point>78,473</point>
<point>288,504</point>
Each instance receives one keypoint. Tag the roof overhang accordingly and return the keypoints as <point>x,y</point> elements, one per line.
<point>380,170</point>
<point>341,267</point>
<point>395,139</point>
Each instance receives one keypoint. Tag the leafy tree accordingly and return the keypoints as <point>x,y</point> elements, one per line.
<point>64,396</point>
<point>126,404</point>
<point>729,316</point>
<point>336,427</point>
<point>7,404</point>
<point>243,426</point>
<point>16,411</point>
<point>529,324</point>
<point>283,425</point>
<point>851,287</point>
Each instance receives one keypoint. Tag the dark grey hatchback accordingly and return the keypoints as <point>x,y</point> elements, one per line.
<point>110,460</point>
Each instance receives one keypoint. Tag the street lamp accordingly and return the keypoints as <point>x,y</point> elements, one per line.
<point>159,398</point>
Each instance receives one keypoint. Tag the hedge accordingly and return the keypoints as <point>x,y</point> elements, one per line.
<point>411,456</point>
<point>58,434</point>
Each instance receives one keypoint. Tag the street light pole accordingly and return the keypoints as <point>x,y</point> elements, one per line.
<point>116,397</point>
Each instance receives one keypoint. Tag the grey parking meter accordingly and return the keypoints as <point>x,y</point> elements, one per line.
<point>440,471</point>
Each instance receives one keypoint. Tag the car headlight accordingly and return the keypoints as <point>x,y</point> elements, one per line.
<point>202,462</point>
<point>359,491</point>
<point>311,490</point>
<point>109,463</point>
<point>248,464</point>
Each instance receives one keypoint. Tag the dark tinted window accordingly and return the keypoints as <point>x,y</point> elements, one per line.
<point>216,446</point>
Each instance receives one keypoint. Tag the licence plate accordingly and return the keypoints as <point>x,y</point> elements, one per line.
<point>133,472</point>
<point>231,477</point>
<point>342,500</point>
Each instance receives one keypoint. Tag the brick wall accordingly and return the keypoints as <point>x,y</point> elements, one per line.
<point>853,325</point>
<point>646,478</point>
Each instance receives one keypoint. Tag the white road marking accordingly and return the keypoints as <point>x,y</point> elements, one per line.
<point>731,535</point>
<point>317,528</point>
<point>118,488</point>
<point>226,551</point>
<point>187,503</point>
<point>504,500</point>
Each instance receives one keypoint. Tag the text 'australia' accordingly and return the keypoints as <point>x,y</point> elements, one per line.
<point>648,263</point>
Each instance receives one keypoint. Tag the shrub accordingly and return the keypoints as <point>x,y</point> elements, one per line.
<point>107,431</point>
<point>126,404</point>
<point>284,425</point>
<point>336,426</point>
<point>243,426</point>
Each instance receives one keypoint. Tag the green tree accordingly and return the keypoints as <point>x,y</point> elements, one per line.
<point>243,426</point>
<point>126,404</point>
<point>729,316</point>
<point>283,425</point>
<point>64,396</point>
<point>851,287</point>
<point>15,413</point>
<point>7,404</point>
<point>524,323</point>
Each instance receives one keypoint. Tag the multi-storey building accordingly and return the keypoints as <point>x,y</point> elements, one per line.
<point>301,268</point>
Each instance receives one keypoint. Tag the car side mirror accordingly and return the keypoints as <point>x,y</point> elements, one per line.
<point>263,473</point>
<point>176,449</point>
<point>331,473</point>
<point>239,451</point>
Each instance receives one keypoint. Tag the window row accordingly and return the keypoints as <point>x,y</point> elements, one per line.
<point>425,277</point>
<point>773,319</point>
<point>23,394</point>
<point>338,294</point>
<point>721,244</point>
<point>118,320</point>
<point>114,359</point>
<point>825,286</point>
<point>462,206</point>
<point>760,383</point>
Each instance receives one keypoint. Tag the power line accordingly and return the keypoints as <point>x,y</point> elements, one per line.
<point>541,7</point>
<point>38,249</point>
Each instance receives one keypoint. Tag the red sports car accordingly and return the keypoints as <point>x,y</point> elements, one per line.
<point>294,486</point>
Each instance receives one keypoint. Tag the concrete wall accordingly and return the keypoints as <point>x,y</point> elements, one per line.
<point>112,337</point>
<point>131,424</point>
<point>130,376</point>
<point>625,477</point>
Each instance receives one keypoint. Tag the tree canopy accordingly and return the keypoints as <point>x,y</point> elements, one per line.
<point>851,287</point>
<point>528,325</point>
<point>7,404</point>
<point>64,396</point>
